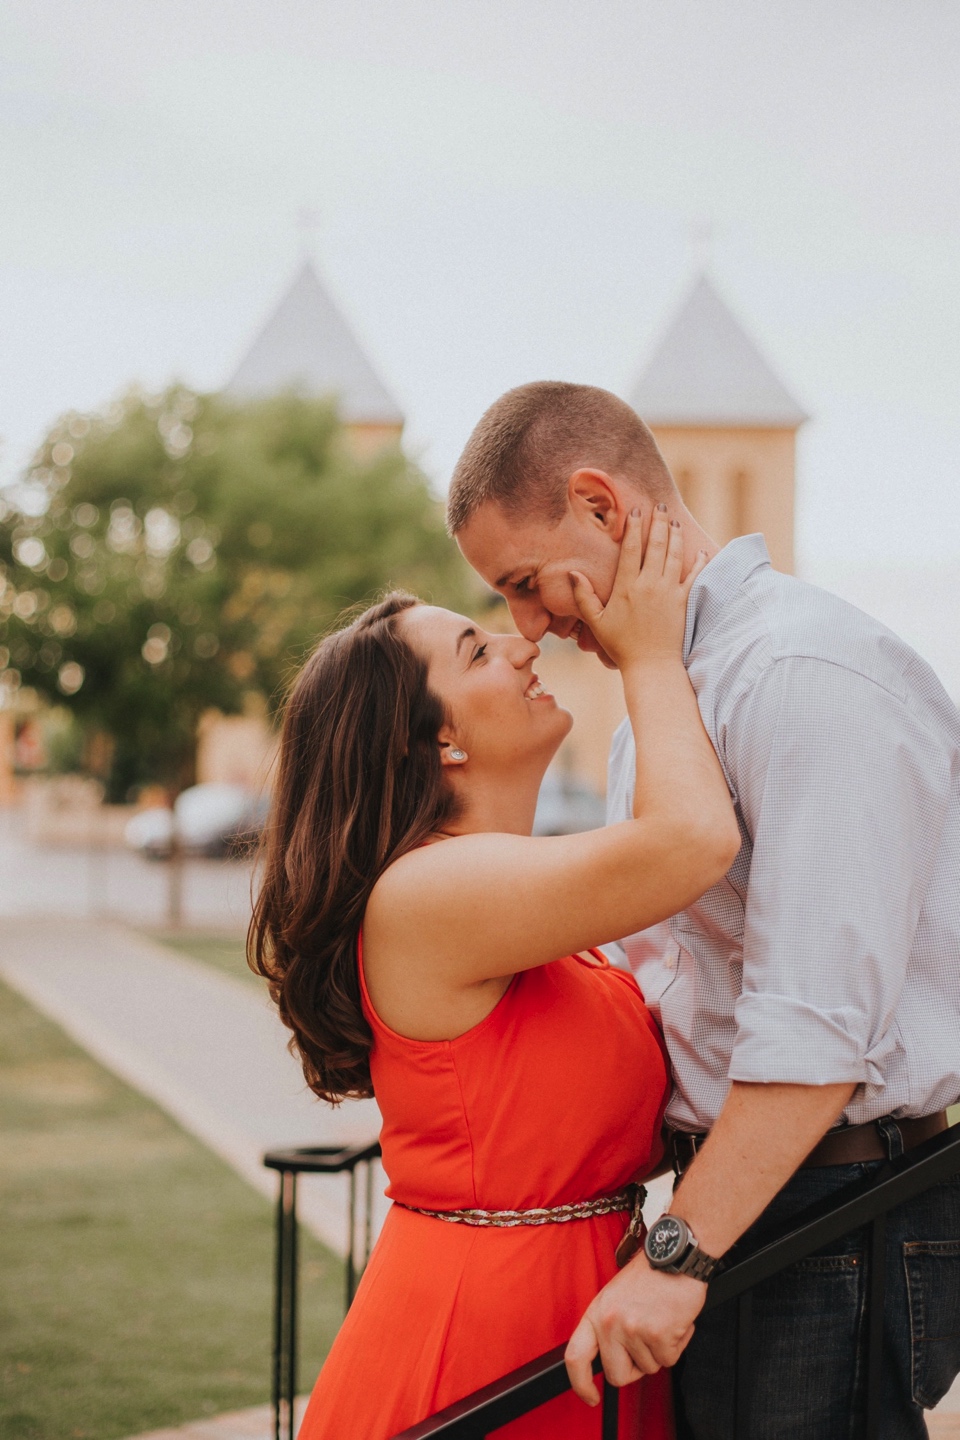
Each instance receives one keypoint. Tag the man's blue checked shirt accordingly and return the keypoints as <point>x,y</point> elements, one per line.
<point>831,950</point>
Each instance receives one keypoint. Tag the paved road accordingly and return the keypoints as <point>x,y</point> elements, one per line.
<point>70,880</point>
<point>207,1047</point>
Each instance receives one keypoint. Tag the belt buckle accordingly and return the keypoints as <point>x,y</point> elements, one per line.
<point>633,1236</point>
<point>689,1144</point>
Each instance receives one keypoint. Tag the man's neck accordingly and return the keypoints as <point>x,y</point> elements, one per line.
<point>695,539</point>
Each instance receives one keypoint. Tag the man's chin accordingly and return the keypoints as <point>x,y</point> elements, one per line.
<point>589,643</point>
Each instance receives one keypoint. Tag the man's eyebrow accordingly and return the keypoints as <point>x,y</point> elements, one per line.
<point>465,635</point>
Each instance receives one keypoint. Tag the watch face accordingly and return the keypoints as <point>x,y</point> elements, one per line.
<point>666,1240</point>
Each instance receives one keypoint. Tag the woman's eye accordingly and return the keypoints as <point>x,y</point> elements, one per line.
<point>480,652</point>
<point>522,586</point>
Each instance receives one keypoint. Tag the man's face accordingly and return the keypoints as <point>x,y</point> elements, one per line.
<point>529,563</point>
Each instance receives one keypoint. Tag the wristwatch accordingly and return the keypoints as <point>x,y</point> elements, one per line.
<point>670,1245</point>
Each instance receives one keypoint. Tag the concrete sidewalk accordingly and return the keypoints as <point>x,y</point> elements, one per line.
<point>206,1047</point>
<point>257,1424</point>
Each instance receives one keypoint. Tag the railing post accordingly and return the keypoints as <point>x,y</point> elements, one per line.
<point>743,1374</point>
<point>368,1218</point>
<point>285,1309</point>
<point>610,1419</point>
<point>352,1237</point>
<point>316,1160</point>
<point>876,1262</point>
<point>278,1313</point>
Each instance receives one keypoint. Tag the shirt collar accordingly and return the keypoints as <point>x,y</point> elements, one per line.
<point>718,583</point>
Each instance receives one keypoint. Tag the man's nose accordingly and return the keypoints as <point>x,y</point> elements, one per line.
<point>562,625</point>
<point>530,618</point>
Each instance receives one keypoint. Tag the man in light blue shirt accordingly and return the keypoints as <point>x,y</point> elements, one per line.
<point>830,951</point>
<point>817,988</point>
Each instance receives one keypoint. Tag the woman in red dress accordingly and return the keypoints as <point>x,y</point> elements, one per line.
<point>423,947</point>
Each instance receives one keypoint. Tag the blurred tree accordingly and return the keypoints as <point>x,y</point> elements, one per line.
<point>177,553</point>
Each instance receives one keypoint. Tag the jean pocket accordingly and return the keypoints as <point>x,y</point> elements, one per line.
<point>933,1290</point>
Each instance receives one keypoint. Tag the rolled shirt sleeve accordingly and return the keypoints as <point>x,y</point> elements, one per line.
<point>845,793</point>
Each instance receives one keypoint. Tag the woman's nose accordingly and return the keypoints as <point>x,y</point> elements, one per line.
<point>524,652</point>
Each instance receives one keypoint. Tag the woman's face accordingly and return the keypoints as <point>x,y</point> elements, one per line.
<point>500,713</point>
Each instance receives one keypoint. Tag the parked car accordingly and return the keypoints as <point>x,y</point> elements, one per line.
<point>212,819</point>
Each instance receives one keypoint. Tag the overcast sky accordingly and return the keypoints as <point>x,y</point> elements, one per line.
<point>506,190</point>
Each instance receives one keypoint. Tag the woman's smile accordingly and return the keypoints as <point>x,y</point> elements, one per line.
<point>535,690</point>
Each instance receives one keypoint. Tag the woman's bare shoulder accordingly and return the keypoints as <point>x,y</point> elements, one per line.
<point>422,876</point>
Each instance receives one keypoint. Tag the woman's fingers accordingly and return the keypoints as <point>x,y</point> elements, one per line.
<point>645,613</point>
<point>673,562</point>
<point>698,565</point>
<point>579,1357</point>
<point>656,550</point>
<point>585,598</point>
<point>631,551</point>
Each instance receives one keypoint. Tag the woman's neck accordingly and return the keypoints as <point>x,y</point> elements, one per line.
<point>496,807</point>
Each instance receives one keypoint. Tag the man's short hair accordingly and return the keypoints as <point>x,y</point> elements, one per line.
<point>530,441</point>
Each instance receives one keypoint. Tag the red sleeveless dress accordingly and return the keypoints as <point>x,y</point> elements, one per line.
<point>555,1097</point>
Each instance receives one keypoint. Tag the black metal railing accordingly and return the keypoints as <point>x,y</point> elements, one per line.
<point>862,1204</point>
<point>290,1164</point>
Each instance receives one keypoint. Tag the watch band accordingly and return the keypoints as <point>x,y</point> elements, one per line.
<point>697,1263</point>
<point>672,1246</point>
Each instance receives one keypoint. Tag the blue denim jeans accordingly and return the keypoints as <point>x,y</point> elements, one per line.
<point>809,1331</point>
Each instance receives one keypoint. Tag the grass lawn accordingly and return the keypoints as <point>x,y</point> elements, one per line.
<point>135,1267</point>
<point>225,952</point>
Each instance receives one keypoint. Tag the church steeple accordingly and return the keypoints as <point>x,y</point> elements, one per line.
<point>306,345</point>
<point>725,422</point>
<point>707,371</point>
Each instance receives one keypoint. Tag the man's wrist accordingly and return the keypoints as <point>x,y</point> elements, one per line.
<point>707,1234</point>
<point>672,1247</point>
<point>640,1262</point>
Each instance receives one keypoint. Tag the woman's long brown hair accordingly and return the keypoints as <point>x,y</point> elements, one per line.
<point>359,783</point>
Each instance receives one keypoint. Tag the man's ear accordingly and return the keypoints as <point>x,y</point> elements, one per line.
<point>593,497</point>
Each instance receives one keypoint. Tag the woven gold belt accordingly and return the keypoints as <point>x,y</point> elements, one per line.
<point>631,1198</point>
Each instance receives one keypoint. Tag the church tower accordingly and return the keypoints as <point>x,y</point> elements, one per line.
<point>725,423</point>
<point>306,345</point>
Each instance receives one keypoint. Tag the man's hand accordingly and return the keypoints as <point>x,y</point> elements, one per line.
<point>640,1322</point>
<point>643,1320</point>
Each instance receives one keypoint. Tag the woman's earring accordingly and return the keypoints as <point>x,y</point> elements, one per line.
<point>458,754</point>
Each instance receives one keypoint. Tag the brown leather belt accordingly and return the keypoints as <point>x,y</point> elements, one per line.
<point>854,1144</point>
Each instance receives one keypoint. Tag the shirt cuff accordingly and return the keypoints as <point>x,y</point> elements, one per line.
<point>786,1041</point>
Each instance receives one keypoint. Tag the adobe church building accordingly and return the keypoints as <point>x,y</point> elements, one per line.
<point>727,428</point>
<point>726,425</point>
<point>306,345</point>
